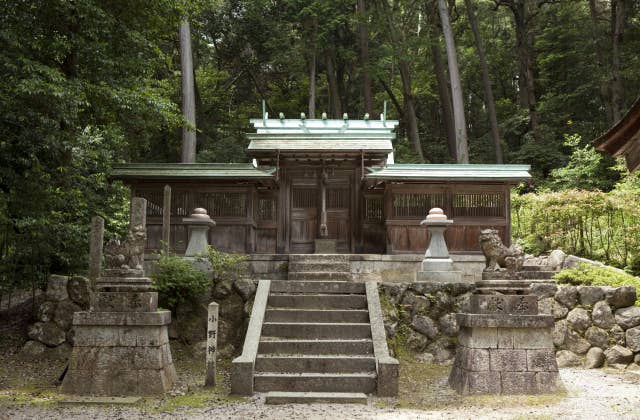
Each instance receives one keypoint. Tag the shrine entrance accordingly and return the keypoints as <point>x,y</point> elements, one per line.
<point>308,188</point>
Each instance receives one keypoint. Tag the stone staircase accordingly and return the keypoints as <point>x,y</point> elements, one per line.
<point>316,341</point>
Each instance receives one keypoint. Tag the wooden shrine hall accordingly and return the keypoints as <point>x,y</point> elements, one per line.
<point>322,178</point>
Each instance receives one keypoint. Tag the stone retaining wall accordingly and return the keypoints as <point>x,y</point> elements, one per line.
<point>52,334</point>
<point>594,325</point>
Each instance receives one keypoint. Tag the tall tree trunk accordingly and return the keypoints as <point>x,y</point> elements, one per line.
<point>188,95</point>
<point>312,68</point>
<point>462,148</point>
<point>598,48</point>
<point>405,76</point>
<point>526,60</point>
<point>334,93</point>
<point>618,18</point>
<point>486,82</point>
<point>363,37</point>
<point>445,97</point>
<point>312,86</point>
<point>410,109</point>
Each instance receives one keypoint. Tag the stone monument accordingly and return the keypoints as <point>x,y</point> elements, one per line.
<point>437,265</point>
<point>199,224</point>
<point>121,346</point>
<point>504,346</point>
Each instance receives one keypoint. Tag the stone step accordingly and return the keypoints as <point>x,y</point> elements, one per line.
<point>326,266</point>
<point>511,283</point>
<point>317,315</point>
<point>320,276</point>
<point>542,275</point>
<point>504,290</point>
<point>289,346</point>
<point>318,258</point>
<point>316,330</point>
<point>318,301</point>
<point>538,268</point>
<point>341,287</point>
<point>315,363</point>
<point>315,382</point>
<point>281,397</point>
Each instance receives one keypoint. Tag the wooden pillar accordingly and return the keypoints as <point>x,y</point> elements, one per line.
<point>166,219</point>
<point>212,344</point>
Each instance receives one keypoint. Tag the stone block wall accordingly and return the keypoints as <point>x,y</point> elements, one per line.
<point>594,325</point>
<point>52,334</point>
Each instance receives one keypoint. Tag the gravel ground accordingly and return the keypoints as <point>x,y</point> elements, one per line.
<point>590,394</point>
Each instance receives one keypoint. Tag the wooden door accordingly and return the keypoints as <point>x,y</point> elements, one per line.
<point>304,218</point>
<point>339,212</point>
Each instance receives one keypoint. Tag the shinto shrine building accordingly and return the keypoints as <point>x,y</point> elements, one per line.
<point>321,178</point>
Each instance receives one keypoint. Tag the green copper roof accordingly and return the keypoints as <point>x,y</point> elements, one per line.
<point>467,172</point>
<point>318,135</point>
<point>190,171</point>
<point>321,143</point>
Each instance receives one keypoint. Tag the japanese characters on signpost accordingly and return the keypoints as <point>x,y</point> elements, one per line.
<point>212,344</point>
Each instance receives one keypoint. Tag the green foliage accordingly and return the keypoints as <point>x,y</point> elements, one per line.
<point>584,169</point>
<point>590,275</point>
<point>224,266</point>
<point>594,224</point>
<point>178,282</point>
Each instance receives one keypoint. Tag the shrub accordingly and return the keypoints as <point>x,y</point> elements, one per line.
<point>178,282</point>
<point>224,266</point>
<point>597,276</point>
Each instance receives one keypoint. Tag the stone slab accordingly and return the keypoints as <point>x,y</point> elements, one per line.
<point>437,264</point>
<point>126,302</point>
<point>504,321</point>
<point>280,397</point>
<point>78,400</point>
<point>120,336</point>
<point>439,276</point>
<point>158,318</point>
<point>504,304</point>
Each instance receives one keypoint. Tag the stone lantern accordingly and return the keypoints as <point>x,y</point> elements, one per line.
<point>199,224</point>
<point>437,265</point>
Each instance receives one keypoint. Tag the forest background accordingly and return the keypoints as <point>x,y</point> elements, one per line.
<point>86,84</point>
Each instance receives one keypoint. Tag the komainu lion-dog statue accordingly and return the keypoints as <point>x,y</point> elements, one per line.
<point>498,257</point>
<point>129,253</point>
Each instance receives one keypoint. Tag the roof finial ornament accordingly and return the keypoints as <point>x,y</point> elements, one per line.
<point>324,116</point>
<point>303,116</point>
<point>281,115</point>
<point>366,116</point>
<point>345,116</point>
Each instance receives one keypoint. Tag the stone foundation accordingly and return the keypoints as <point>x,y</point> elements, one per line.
<point>121,346</point>
<point>504,355</point>
<point>118,354</point>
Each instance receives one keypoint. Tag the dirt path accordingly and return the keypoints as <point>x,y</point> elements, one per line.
<point>590,394</point>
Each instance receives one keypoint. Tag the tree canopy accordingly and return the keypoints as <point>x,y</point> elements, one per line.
<point>88,83</point>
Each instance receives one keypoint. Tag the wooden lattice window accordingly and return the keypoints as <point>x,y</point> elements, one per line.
<point>154,199</point>
<point>223,204</point>
<point>266,209</point>
<point>182,203</point>
<point>305,198</point>
<point>478,205</point>
<point>416,205</point>
<point>373,209</point>
<point>337,198</point>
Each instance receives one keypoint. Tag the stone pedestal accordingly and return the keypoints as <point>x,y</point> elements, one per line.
<point>121,347</point>
<point>504,347</point>
<point>437,265</point>
<point>198,224</point>
<point>326,246</point>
